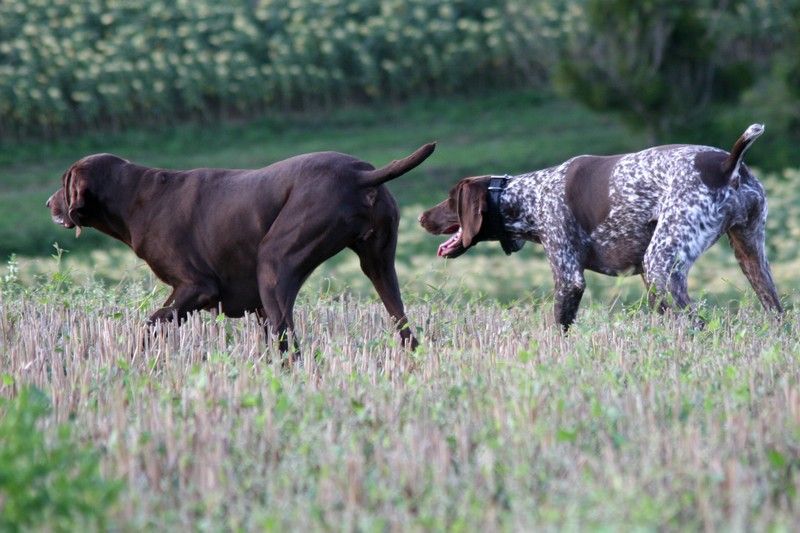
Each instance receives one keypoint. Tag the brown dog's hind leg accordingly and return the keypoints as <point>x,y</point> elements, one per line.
<point>377,261</point>
<point>286,256</point>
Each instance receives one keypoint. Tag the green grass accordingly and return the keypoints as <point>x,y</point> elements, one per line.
<point>507,132</point>
<point>510,132</point>
<point>498,422</point>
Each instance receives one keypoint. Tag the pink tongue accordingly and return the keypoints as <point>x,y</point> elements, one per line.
<point>450,244</point>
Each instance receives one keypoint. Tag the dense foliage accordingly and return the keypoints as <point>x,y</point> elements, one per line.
<point>46,476</point>
<point>657,63</point>
<point>69,64</point>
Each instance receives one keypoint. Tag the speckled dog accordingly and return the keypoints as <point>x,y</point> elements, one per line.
<point>651,213</point>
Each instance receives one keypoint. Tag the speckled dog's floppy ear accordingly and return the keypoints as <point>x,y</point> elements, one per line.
<point>471,204</point>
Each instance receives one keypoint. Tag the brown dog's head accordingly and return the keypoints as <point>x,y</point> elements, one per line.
<point>76,203</point>
<point>57,204</point>
<point>460,215</point>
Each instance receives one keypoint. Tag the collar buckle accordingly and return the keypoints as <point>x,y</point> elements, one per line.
<point>497,185</point>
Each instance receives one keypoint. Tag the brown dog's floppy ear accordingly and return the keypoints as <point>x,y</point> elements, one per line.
<point>74,196</point>
<point>471,203</point>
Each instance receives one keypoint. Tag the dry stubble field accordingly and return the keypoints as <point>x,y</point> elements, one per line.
<point>498,422</point>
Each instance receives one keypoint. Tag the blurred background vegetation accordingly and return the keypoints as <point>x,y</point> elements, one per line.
<point>503,85</point>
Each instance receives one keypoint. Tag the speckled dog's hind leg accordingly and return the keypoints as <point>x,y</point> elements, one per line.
<point>747,242</point>
<point>677,242</point>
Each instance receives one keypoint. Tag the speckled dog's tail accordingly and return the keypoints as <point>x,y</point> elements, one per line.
<point>731,166</point>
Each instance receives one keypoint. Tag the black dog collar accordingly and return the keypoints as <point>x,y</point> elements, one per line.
<point>495,227</point>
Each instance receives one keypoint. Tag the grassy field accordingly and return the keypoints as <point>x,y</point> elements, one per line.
<point>493,134</point>
<point>497,422</point>
<point>511,132</point>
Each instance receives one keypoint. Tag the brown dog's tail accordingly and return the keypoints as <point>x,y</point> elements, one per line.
<point>373,178</point>
<point>730,167</point>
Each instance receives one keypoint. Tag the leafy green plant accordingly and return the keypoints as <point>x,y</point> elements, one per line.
<point>73,65</point>
<point>47,479</point>
<point>659,64</point>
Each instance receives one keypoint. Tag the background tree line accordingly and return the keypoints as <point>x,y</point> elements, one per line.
<point>667,67</point>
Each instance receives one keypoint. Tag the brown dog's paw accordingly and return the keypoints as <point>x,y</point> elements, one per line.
<point>409,342</point>
<point>165,314</point>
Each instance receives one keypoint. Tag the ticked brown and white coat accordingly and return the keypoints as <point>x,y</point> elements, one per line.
<point>651,212</point>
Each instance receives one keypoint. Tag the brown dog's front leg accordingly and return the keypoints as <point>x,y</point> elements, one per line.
<point>180,303</point>
<point>280,332</point>
<point>278,287</point>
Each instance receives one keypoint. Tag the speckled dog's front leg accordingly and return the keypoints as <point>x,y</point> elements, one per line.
<point>569,292</point>
<point>569,284</point>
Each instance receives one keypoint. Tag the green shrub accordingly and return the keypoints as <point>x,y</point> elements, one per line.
<point>46,480</point>
<point>67,65</point>
<point>105,64</point>
<point>659,64</point>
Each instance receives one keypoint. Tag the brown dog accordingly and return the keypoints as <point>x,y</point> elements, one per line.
<point>243,240</point>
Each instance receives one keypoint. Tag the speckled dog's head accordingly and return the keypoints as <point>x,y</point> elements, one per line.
<point>461,215</point>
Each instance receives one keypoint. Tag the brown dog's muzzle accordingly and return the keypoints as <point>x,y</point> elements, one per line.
<point>58,209</point>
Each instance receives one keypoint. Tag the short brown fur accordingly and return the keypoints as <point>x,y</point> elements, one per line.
<point>587,194</point>
<point>243,240</point>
